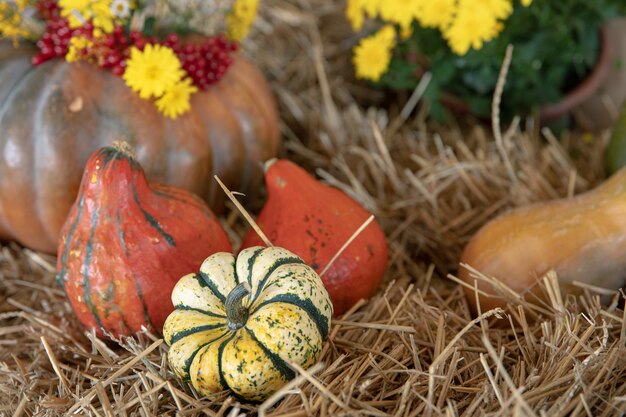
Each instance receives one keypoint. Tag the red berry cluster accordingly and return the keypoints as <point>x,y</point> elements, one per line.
<point>56,39</point>
<point>47,9</point>
<point>112,50</point>
<point>205,62</point>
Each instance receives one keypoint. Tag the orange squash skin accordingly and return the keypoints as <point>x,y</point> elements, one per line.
<point>314,220</point>
<point>126,243</point>
<point>582,238</point>
<point>53,117</point>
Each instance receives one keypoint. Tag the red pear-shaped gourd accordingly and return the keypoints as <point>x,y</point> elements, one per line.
<point>126,243</point>
<point>314,220</point>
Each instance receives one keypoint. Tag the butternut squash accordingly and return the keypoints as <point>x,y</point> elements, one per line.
<point>581,238</point>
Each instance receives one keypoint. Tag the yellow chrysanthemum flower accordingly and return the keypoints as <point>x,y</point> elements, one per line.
<point>241,18</point>
<point>77,45</point>
<point>11,23</point>
<point>501,9</point>
<point>373,54</point>
<point>357,9</point>
<point>526,3</point>
<point>355,14</point>
<point>386,36</point>
<point>176,100</point>
<point>77,12</point>
<point>372,7</point>
<point>153,71</point>
<point>472,27</point>
<point>102,15</point>
<point>436,14</point>
<point>402,12</point>
<point>406,33</point>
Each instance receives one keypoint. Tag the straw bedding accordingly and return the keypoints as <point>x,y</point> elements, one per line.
<point>412,350</point>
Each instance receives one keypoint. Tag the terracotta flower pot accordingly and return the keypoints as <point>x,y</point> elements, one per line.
<point>595,102</point>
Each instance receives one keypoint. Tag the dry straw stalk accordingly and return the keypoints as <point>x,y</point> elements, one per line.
<point>412,350</point>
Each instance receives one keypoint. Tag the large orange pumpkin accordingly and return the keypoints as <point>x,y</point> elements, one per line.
<point>53,117</point>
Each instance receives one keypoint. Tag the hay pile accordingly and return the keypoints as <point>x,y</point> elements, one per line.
<point>412,350</point>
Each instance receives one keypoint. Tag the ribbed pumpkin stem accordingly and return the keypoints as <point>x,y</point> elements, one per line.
<point>236,313</point>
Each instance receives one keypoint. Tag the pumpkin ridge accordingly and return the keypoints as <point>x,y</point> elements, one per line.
<point>242,112</point>
<point>189,361</point>
<point>6,68</point>
<point>205,281</point>
<point>199,371</point>
<point>251,261</point>
<point>120,234</point>
<point>277,361</point>
<point>184,333</point>
<point>86,283</point>
<point>38,131</point>
<point>144,306</point>
<point>12,90</point>
<point>5,106</point>
<point>163,192</point>
<point>252,84</point>
<point>224,133</point>
<point>125,325</point>
<point>241,82</point>
<point>220,355</point>
<point>271,269</point>
<point>306,305</point>
<point>236,275</point>
<point>150,219</point>
<point>122,313</point>
<point>199,310</point>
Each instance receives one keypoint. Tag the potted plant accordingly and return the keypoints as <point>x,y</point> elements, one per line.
<point>558,46</point>
<point>164,75</point>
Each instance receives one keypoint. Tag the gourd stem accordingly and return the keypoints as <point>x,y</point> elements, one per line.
<point>124,148</point>
<point>269,163</point>
<point>236,313</point>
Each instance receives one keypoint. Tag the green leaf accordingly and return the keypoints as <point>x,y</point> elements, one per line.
<point>556,45</point>
<point>148,27</point>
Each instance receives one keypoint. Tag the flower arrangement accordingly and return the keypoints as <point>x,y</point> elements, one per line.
<point>153,45</point>
<point>463,42</point>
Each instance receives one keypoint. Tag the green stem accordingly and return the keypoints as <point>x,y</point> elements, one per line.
<point>236,313</point>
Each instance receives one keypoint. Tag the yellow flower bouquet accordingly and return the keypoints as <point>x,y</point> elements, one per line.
<point>462,43</point>
<point>141,41</point>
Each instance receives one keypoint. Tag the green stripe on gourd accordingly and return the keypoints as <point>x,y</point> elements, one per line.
<point>190,291</point>
<point>220,266</point>
<point>183,352</point>
<point>266,309</point>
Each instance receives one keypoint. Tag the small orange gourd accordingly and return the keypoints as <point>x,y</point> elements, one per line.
<point>314,220</point>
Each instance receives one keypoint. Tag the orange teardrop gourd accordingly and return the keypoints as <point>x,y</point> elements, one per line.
<point>126,243</point>
<point>314,220</point>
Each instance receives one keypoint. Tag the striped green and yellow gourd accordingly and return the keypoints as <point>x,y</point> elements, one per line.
<point>237,324</point>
